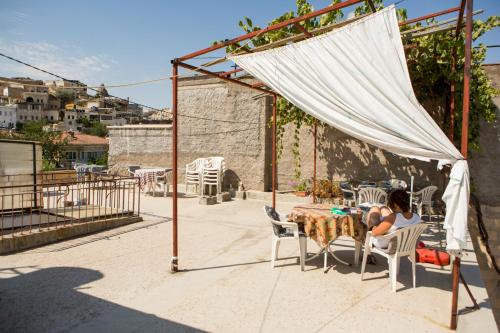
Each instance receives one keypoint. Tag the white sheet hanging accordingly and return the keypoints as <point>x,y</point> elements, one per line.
<point>356,79</point>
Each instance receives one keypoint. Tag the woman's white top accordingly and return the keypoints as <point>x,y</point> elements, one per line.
<point>400,222</point>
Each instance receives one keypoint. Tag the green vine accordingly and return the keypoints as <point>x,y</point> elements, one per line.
<point>429,65</point>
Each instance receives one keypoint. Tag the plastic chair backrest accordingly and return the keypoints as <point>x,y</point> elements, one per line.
<point>132,168</point>
<point>196,165</point>
<point>398,184</point>
<point>216,162</point>
<point>427,193</point>
<point>407,237</point>
<point>372,195</point>
<point>348,194</point>
<point>274,216</point>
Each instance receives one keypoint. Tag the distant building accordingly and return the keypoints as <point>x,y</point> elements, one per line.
<point>27,111</point>
<point>72,86</point>
<point>163,115</point>
<point>65,103</point>
<point>83,148</point>
<point>8,116</point>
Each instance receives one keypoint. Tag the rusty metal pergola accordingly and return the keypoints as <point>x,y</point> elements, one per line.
<point>465,6</point>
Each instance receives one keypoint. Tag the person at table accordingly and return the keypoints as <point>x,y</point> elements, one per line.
<point>384,220</point>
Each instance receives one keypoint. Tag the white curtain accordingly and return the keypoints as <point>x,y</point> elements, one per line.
<point>355,79</point>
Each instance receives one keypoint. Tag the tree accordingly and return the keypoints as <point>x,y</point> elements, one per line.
<point>66,96</point>
<point>94,128</point>
<point>52,142</point>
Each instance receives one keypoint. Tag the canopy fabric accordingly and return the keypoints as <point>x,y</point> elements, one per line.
<point>356,79</point>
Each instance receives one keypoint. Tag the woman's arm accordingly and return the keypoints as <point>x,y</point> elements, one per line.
<point>384,226</point>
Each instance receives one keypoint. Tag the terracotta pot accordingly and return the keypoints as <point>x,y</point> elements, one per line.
<point>301,193</point>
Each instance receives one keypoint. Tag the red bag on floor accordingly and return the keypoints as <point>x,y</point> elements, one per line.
<point>433,256</point>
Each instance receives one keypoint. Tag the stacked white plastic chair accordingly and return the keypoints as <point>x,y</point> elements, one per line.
<point>194,174</point>
<point>213,170</point>
<point>425,200</point>
<point>406,243</point>
<point>372,196</point>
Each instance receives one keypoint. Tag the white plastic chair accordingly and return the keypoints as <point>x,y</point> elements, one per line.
<point>372,195</point>
<point>213,170</point>
<point>405,247</point>
<point>425,199</point>
<point>131,169</point>
<point>194,174</point>
<point>398,184</point>
<point>284,230</point>
<point>163,183</point>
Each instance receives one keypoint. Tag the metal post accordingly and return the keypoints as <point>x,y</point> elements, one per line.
<point>174,262</point>
<point>274,152</point>
<point>34,174</point>
<point>453,69</point>
<point>464,146</point>
<point>452,100</point>
<point>314,153</point>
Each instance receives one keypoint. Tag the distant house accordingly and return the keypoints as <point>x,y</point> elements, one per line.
<point>84,148</point>
<point>8,114</point>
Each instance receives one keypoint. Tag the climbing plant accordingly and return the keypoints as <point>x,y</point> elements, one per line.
<point>429,65</point>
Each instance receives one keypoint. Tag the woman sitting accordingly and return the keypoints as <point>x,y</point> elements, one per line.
<point>384,220</point>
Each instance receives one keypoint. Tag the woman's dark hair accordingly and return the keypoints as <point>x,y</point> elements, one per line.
<point>400,198</point>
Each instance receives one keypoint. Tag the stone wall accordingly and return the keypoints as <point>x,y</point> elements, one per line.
<point>341,157</point>
<point>239,133</point>
<point>485,164</point>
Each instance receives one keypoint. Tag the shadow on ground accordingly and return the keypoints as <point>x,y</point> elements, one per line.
<point>54,300</point>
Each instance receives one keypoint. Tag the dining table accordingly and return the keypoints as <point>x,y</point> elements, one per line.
<point>148,177</point>
<point>324,225</point>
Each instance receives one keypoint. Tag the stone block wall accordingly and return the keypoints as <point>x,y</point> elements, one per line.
<point>485,164</point>
<point>215,119</point>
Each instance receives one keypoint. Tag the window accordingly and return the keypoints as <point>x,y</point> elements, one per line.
<point>70,122</point>
<point>71,155</point>
<point>0,113</point>
<point>32,118</point>
<point>51,117</point>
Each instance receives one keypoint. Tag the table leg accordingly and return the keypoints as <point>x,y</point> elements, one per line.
<point>357,251</point>
<point>321,251</point>
<point>336,258</point>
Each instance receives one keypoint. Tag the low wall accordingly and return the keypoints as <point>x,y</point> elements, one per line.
<point>10,244</point>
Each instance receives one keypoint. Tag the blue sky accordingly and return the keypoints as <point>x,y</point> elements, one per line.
<point>116,42</point>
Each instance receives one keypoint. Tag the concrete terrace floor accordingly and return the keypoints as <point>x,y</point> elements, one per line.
<point>119,281</point>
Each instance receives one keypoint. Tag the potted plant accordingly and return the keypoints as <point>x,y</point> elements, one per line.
<point>328,191</point>
<point>300,186</point>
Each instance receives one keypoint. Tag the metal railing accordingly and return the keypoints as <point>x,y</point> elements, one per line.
<point>37,207</point>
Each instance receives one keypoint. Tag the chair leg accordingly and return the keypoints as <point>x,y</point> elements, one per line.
<point>325,260</point>
<point>274,250</point>
<point>357,250</point>
<point>398,264</point>
<point>302,249</point>
<point>366,252</point>
<point>413,269</point>
<point>393,272</point>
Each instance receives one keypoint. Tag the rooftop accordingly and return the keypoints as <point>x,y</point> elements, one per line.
<point>119,280</point>
<point>84,139</point>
